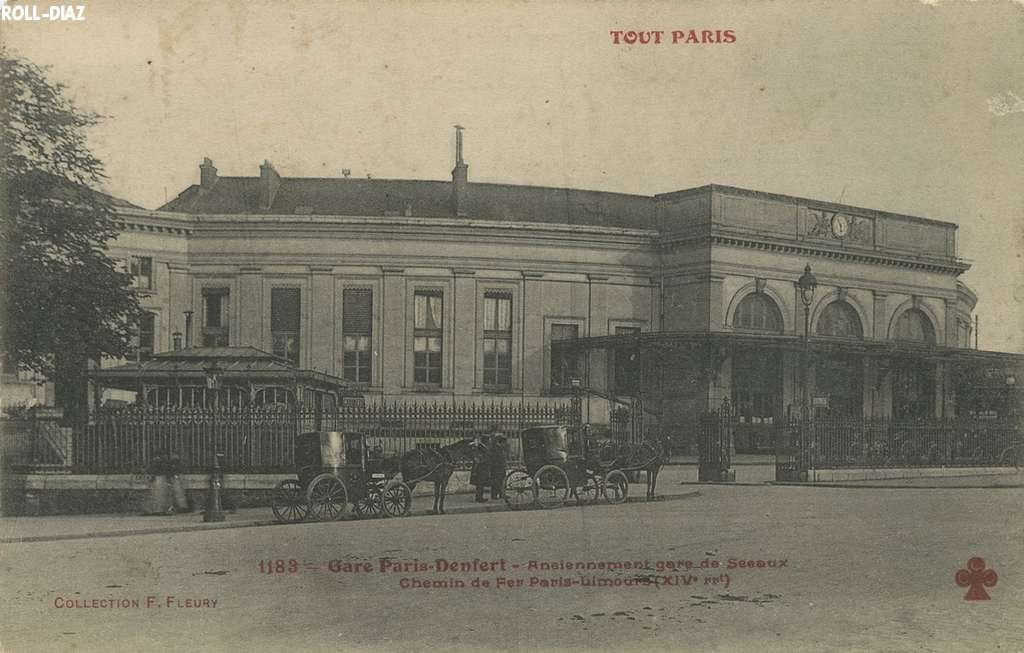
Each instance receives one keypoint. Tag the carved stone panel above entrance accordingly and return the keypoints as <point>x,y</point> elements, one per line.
<point>844,227</point>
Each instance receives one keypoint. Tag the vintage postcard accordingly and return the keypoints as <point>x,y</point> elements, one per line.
<point>511,326</point>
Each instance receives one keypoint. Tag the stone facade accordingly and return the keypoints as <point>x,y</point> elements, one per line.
<point>557,261</point>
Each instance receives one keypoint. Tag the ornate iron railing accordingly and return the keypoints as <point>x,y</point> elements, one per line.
<point>834,442</point>
<point>261,439</point>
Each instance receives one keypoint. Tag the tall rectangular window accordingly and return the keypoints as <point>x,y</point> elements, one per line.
<point>627,364</point>
<point>564,362</point>
<point>145,338</point>
<point>141,269</point>
<point>428,335</point>
<point>215,317</point>
<point>356,326</point>
<point>498,340</point>
<point>285,305</point>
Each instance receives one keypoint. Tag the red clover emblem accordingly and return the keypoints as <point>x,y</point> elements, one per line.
<point>977,578</point>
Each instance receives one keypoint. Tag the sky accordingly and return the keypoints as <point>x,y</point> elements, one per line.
<point>908,106</point>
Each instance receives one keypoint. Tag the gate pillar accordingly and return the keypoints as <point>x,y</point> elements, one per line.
<point>715,448</point>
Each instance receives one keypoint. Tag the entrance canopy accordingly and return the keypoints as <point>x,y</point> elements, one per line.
<point>922,379</point>
<point>696,340</point>
<point>221,376</point>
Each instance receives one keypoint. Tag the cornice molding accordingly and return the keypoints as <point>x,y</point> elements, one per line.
<point>143,227</point>
<point>804,248</point>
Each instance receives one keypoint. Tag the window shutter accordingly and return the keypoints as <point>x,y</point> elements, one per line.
<point>357,304</point>
<point>284,309</point>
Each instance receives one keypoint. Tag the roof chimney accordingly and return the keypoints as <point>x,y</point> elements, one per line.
<point>207,173</point>
<point>269,183</point>
<point>460,176</point>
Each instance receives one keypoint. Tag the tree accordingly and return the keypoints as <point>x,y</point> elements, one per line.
<point>64,302</point>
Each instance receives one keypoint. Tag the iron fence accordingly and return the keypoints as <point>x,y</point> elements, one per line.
<point>832,442</point>
<point>35,441</point>
<point>261,439</point>
<point>836,442</point>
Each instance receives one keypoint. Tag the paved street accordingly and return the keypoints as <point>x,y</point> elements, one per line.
<point>866,569</point>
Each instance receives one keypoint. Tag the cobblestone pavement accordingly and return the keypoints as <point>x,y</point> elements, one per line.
<point>864,570</point>
<point>674,480</point>
<point>670,483</point>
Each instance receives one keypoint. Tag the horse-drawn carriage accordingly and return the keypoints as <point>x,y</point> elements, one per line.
<point>335,469</point>
<point>557,464</point>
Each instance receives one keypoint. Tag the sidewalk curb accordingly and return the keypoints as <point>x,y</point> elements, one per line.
<point>856,486</point>
<point>729,483</point>
<point>860,486</point>
<point>256,523</point>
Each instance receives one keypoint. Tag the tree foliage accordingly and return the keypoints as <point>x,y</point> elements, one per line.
<point>64,300</point>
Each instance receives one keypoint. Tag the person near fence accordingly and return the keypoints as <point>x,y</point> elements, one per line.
<point>496,455</point>
<point>479,475</point>
<point>166,495</point>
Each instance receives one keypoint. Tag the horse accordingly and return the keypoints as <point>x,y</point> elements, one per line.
<point>435,466</point>
<point>647,456</point>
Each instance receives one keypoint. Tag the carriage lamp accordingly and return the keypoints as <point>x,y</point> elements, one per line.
<point>577,399</point>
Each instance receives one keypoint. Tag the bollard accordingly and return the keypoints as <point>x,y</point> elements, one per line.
<point>214,511</point>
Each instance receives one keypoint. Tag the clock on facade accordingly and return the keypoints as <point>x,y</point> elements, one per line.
<point>840,225</point>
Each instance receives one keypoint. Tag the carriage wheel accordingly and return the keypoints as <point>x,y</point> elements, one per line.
<point>589,491</point>
<point>289,502</point>
<point>519,490</point>
<point>552,486</point>
<point>616,486</point>
<point>397,499</point>
<point>327,497</point>
<point>369,505</point>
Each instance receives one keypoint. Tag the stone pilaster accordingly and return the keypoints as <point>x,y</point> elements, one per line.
<point>321,316</point>
<point>880,320</point>
<point>253,321</point>
<point>396,338</point>
<point>467,374</point>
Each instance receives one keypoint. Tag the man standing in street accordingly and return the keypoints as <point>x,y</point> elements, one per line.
<point>479,475</point>
<point>497,454</point>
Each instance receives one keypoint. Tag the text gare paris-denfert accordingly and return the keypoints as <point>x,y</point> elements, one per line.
<point>440,565</point>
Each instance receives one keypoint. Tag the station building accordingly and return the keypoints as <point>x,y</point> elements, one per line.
<point>670,304</point>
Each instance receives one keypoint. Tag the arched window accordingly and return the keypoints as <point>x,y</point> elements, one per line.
<point>840,320</point>
<point>914,326</point>
<point>759,313</point>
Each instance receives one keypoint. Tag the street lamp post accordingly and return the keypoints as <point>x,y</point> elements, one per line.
<point>214,510</point>
<point>807,283</point>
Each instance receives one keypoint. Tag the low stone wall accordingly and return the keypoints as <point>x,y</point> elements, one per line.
<point>56,494</point>
<point>875,474</point>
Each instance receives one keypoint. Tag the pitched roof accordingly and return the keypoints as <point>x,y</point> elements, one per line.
<point>61,188</point>
<point>417,198</point>
<point>194,364</point>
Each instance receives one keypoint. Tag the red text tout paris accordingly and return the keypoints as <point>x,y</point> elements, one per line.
<point>976,578</point>
<point>677,36</point>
